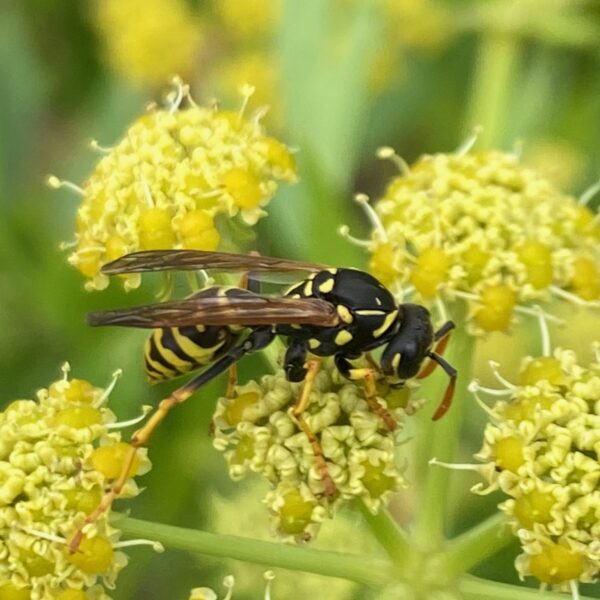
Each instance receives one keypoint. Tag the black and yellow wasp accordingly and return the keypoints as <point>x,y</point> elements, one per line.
<point>338,312</point>
<point>334,312</point>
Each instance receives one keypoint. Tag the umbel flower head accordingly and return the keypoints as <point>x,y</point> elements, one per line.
<point>483,227</point>
<point>168,182</point>
<point>542,448</point>
<point>147,41</point>
<point>346,533</point>
<point>258,432</point>
<point>57,456</point>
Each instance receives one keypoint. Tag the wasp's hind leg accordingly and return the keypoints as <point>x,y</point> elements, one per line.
<point>441,338</point>
<point>258,339</point>
<point>369,376</point>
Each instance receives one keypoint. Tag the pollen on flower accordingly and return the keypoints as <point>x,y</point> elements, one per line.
<point>481,226</point>
<point>169,183</point>
<point>49,482</point>
<point>542,446</point>
<point>140,50</point>
<point>258,432</point>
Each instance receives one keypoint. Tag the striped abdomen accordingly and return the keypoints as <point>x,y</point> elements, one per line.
<point>174,351</point>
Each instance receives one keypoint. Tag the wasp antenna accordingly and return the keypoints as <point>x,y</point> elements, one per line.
<point>471,140</point>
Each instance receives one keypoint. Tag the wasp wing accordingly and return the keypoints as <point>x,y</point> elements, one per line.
<point>215,310</point>
<point>191,260</point>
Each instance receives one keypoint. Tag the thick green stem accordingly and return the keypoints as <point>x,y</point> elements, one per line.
<point>476,545</point>
<point>473,588</point>
<point>439,439</point>
<point>496,66</point>
<point>359,568</point>
<point>392,537</point>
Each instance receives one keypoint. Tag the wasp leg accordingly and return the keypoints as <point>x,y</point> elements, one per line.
<point>294,361</point>
<point>369,376</point>
<point>312,368</point>
<point>257,340</point>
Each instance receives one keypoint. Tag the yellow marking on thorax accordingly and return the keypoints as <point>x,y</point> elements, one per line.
<point>344,313</point>
<point>368,312</point>
<point>343,337</point>
<point>313,344</point>
<point>396,360</point>
<point>308,288</point>
<point>377,301</point>
<point>327,285</point>
<point>387,323</point>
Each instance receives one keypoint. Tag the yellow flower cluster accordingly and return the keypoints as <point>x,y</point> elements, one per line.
<point>346,533</point>
<point>258,432</point>
<point>167,183</point>
<point>57,456</point>
<point>149,41</point>
<point>542,450</point>
<point>481,226</point>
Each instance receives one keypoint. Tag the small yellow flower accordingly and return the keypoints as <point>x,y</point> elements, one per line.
<point>148,41</point>
<point>49,482</point>
<point>542,449</point>
<point>257,432</point>
<point>175,174</point>
<point>482,227</point>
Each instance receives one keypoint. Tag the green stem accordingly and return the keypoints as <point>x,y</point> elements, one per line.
<point>476,545</point>
<point>439,439</point>
<point>473,588</point>
<point>359,568</point>
<point>496,66</point>
<point>391,536</point>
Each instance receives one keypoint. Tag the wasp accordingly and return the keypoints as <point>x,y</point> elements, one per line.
<point>342,313</point>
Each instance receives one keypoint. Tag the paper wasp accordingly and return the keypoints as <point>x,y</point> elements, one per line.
<point>334,312</point>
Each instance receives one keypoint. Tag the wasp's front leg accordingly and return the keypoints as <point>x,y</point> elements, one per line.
<point>369,376</point>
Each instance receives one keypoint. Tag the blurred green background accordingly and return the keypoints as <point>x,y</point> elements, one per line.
<point>342,77</point>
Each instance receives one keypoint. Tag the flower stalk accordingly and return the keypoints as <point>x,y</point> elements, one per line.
<point>362,569</point>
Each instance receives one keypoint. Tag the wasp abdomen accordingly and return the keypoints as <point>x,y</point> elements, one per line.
<point>174,351</point>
